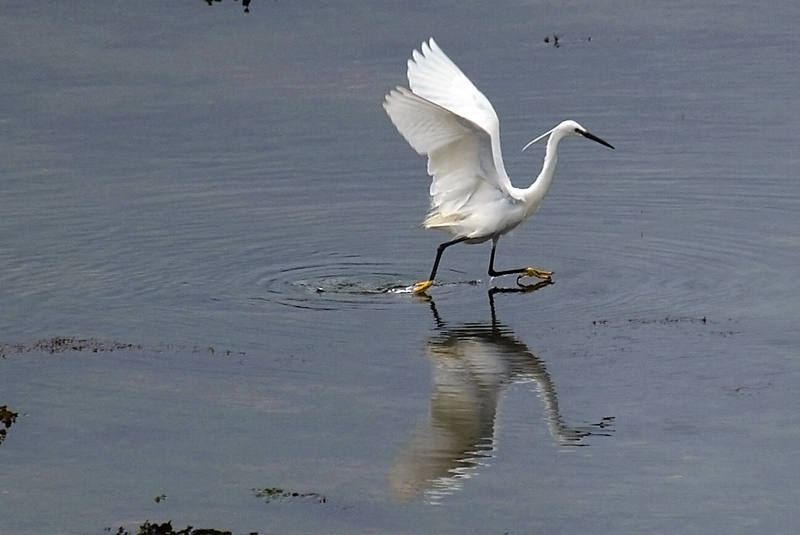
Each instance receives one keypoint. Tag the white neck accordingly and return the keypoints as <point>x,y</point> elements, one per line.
<point>534,194</point>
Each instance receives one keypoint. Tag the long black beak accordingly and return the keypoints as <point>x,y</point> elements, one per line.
<point>589,135</point>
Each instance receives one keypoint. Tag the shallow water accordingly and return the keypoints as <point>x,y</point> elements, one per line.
<point>213,211</point>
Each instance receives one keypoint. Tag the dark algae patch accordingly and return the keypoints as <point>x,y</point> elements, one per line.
<point>268,494</point>
<point>274,494</point>
<point>7,417</point>
<point>61,344</point>
<point>166,528</point>
<point>71,344</point>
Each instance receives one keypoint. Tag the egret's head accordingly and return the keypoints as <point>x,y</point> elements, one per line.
<point>574,129</point>
<point>569,128</point>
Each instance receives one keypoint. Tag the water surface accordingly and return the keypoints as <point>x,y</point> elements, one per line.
<point>206,216</point>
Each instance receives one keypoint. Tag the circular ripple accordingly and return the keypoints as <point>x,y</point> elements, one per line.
<point>338,284</point>
<point>329,286</point>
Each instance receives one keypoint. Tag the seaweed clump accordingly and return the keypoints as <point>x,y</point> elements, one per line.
<point>7,417</point>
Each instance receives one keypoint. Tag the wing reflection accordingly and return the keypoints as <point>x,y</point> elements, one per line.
<point>471,366</point>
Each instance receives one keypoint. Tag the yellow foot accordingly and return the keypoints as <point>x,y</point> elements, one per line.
<point>533,272</point>
<point>421,287</point>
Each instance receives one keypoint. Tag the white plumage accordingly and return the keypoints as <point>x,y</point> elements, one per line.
<point>446,118</point>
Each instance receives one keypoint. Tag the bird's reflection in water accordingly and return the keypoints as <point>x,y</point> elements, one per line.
<point>471,366</point>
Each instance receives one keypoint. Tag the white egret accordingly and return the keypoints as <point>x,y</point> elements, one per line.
<point>446,118</point>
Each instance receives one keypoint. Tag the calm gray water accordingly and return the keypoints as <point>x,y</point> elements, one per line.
<point>212,209</point>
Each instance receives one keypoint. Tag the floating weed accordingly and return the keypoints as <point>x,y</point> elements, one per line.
<point>149,528</point>
<point>70,344</point>
<point>7,418</point>
<point>274,494</point>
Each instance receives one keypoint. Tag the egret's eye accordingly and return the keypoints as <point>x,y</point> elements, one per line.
<point>578,131</point>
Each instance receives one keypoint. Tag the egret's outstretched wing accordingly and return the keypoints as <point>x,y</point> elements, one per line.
<point>433,76</point>
<point>459,155</point>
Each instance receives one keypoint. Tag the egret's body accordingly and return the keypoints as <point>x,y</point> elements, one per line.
<point>444,117</point>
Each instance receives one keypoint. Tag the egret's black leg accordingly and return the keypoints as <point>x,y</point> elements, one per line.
<point>523,272</point>
<point>493,273</point>
<point>420,287</point>
<point>439,252</point>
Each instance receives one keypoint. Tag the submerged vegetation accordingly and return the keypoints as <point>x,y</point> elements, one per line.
<point>274,494</point>
<point>166,528</point>
<point>268,494</point>
<point>71,344</point>
<point>7,418</point>
<point>245,4</point>
<point>61,344</point>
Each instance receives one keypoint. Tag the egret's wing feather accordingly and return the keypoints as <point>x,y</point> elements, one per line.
<point>434,77</point>
<point>458,150</point>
